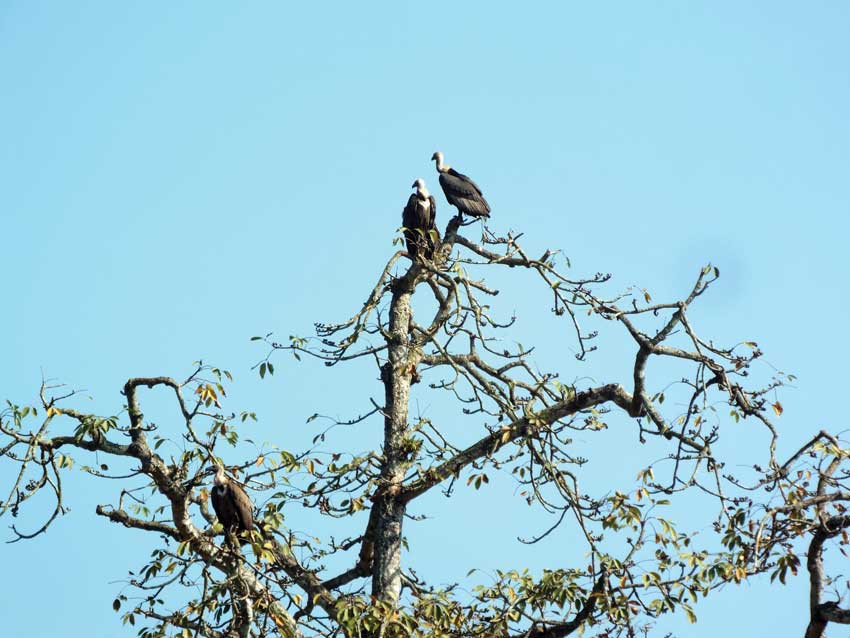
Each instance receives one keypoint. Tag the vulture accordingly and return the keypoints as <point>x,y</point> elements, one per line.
<point>418,219</point>
<point>231,504</point>
<point>461,191</point>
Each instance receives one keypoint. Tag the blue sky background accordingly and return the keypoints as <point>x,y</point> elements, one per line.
<point>179,177</point>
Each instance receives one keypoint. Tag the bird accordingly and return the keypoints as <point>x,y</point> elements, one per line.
<point>418,219</point>
<point>231,504</point>
<point>461,191</point>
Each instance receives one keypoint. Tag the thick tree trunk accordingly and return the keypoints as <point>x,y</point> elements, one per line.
<point>395,374</point>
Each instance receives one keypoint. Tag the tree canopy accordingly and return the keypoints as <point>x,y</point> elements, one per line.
<point>439,327</point>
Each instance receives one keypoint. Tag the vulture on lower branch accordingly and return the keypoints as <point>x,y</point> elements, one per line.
<point>231,504</point>
<point>418,219</point>
<point>461,191</point>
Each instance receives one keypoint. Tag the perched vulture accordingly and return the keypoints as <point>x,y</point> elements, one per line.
<point>231,504</point>
<point>418,219</point>
<point>461,191</point>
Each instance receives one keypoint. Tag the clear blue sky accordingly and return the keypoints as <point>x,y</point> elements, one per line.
<point>177,177</point>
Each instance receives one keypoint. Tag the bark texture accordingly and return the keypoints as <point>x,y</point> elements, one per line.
<point>396,376</point>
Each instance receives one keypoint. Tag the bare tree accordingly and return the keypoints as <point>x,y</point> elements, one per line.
<point>641,563</point>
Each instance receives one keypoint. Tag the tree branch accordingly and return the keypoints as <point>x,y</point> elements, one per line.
<point>565,629</point>
<point>492,443</point>
<point>120,516</point>
<point>823,613</point>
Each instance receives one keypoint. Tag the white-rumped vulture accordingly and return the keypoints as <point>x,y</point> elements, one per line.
<point>419,221</point>
<point>231,504</point>
<point>461,191</point>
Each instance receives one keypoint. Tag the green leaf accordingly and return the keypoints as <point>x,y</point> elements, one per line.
<point>262,370</point>
<point>116,605</point>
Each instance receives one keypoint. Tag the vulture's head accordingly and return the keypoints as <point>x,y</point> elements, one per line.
<point>438,157</point>
<point>220,479</point>
<point>421,191</point>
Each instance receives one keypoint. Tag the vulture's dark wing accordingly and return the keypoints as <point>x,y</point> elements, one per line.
<point>463,193</point>
<point>223,507</point>
<point>433,239</point>
<point>432,221</point>
<point>416,219</point>
<point>466,179</point>
<point>411,216</point>
<point>242,506</point>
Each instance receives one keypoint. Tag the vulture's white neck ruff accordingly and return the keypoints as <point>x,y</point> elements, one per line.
<point>220,480</point>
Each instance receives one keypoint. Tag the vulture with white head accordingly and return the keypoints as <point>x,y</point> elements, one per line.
<point>419,221</point>
<point>461,191</point>
<point>231,504</point>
